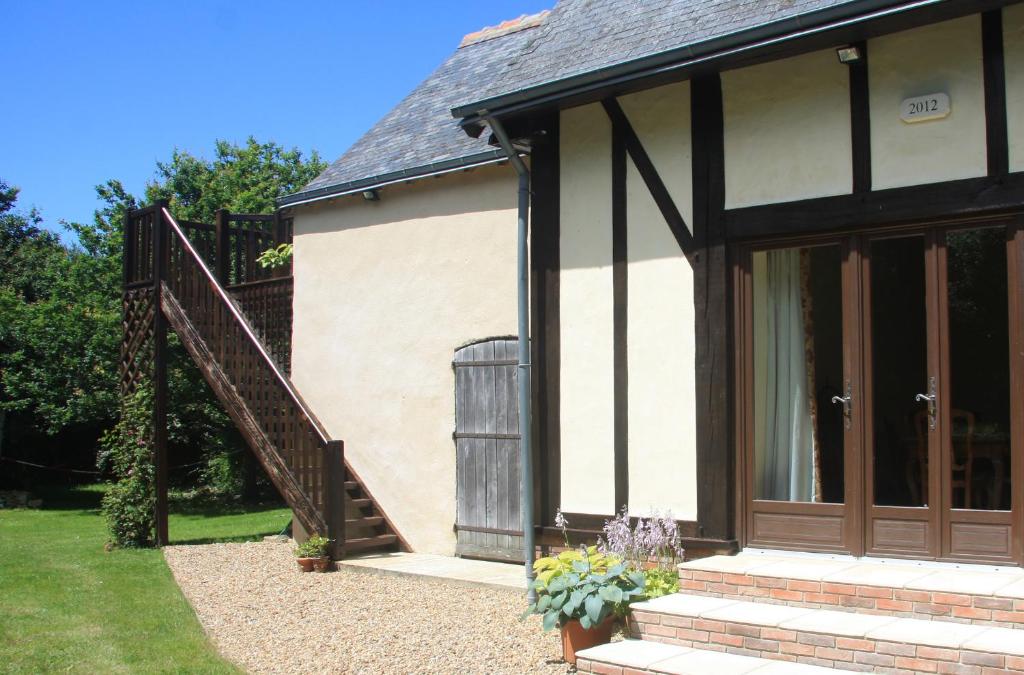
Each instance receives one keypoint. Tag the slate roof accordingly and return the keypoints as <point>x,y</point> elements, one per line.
<point>419,134</point>
<point>582,36</point>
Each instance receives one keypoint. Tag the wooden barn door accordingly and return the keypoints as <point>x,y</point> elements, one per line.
<point>488,521</point>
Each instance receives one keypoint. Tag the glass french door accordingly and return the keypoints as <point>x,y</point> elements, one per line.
<point>881,393</point>
<point>795,321</point>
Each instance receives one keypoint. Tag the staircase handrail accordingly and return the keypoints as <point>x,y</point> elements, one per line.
<point>246,327</point>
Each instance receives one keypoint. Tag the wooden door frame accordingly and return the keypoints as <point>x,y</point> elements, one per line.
<point>806,515</point>
<point>899,516</point>
<point>856,511</point>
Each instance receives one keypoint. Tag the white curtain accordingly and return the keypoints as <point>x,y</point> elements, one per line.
<point>784,453</point>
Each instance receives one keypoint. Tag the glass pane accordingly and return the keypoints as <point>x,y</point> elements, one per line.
<point>979,364</point>
<point>798,368</point>
<point>899,371</point>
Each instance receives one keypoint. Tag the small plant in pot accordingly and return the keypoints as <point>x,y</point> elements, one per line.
<point>313,554</point>
<point>581,593</point>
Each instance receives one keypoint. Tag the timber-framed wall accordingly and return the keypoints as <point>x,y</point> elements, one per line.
<point>717,231</point>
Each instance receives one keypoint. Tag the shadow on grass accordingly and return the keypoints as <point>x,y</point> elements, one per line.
<point>207,508</point>
<point>240,539</point>
<point>85,498</point>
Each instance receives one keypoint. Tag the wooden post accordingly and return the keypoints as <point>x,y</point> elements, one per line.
<point>222,244</point>
<point>334,486</point>
<point>280,237</point>
<point>128,241</point>
<point>161,251</point>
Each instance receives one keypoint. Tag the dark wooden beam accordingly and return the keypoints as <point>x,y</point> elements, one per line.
<point>950,199</point>
<point>620,316</point>
<point>712,298</point>
<point>161,256</point>
<point>644,165</point>
<point>334,484</point>
<point>222,246</point>
<point>860,121</point>
<point>544,308</point>
<point>995,93</point>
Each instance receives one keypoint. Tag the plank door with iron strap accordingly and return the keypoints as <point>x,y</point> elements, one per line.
<point>488,523</point>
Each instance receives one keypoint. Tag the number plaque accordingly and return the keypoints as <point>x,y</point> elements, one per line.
<point>924,108</point>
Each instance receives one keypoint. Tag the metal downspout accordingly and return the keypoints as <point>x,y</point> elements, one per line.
<point>525,408</point>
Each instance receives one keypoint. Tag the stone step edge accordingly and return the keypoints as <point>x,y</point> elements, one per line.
<point>609,659</point>
<point>828,647</point>
<point>882,600</point>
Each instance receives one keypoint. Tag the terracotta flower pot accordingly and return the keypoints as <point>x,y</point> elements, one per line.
<point>576,638</point>
<point>322,564</point>
<point>306,564</point>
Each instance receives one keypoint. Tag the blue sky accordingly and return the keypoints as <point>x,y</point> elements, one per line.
<point>97,90</point>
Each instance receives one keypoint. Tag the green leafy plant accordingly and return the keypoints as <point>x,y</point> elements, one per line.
<point>314,547</point>
<point>659,582</point>
<point>548,568</point>
<point>585,592</point>
<point>126,452</point>
<point>279,256</point>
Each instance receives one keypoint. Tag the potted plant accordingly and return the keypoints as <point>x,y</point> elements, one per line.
<point>313,554</point>
<point>581,593</point>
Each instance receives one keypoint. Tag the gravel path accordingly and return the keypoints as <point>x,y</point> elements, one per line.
<point>267,617</point>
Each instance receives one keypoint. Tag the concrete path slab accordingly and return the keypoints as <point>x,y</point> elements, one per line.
<point>480,572</point>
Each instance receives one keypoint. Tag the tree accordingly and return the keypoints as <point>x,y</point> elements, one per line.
<point>244,179</point>
<point>60,305</point>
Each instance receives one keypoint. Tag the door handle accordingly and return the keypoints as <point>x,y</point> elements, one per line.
<point>932,398</point>
<point>847,403</point>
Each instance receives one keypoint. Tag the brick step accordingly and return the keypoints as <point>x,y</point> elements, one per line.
<point>972,594</point>
<point>828,638</point>
<point>633,657</point>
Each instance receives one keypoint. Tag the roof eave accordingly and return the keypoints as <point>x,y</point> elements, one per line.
<point>382,180</point>
<point>520,100</point>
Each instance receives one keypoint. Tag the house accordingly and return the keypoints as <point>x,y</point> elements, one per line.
<point>774,265</point>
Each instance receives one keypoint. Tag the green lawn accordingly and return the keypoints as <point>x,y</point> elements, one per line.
<point>66,605</point>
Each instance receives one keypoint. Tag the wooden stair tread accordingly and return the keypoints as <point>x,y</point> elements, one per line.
<point>364,543</point>
<point>369,521</point>
<point>362,502</point>
<point>351,485</point>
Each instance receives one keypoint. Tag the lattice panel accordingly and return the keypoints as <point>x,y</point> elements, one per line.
<point>137,310</point>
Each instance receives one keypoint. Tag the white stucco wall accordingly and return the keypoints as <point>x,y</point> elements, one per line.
<point>787,130</point>
<point>944,57</point>
<point>384,294</point>
<point>661,119</point>
<point>585,304</point>
<point>1013,50</point>
<point>660,338</point>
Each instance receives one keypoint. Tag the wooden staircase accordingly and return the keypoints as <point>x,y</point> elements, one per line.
<point>234,319</point>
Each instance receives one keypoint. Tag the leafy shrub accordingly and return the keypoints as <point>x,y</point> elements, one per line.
<point>585,592</point>
<point>314,547</point>
<point>126,453</point>
<point>278,256</point>
<point>222,474</point>
<point>548,568</point>
<point>659,582</point>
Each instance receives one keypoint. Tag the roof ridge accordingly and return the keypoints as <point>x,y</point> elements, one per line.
<point>522,22</point>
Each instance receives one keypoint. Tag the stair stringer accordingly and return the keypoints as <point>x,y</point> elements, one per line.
<point>278,472</point>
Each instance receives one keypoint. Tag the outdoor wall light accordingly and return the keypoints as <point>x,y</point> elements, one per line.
<point>848,55</point>
<point>371,196</point>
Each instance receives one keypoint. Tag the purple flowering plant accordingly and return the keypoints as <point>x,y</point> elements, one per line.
<point>655,538</point>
